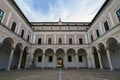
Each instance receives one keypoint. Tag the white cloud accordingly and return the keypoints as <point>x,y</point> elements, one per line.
<point>78,12</point>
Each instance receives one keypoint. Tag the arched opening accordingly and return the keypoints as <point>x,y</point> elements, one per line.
<point>114,50</point>
<point>71,59</point>
<point>59,62</point>
<point>5,52</point>
<point>82,58</point>
<point>49,56</point>
<point>103,55</point>
<point>16,56</point>
<point>96,59</point>
<point>60,56</point>
<point>24,57</point>
<point>37,62</point>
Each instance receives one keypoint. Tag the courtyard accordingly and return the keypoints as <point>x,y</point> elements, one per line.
<point>60,74</point>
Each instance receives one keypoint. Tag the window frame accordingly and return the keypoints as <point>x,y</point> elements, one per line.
<point>80,58</point>
<point>50,59</point>
<point>13,26</point>
<point>97,33</point>
<point>70,42</point>
<point>3,16</point>
<point>39,41</point>
<point>39,58</point>
<point>69,58</point>
<point>81,40</point>
<point>108,25</point>
<point>116,14</point>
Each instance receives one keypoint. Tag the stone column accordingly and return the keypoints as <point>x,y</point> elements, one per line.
<point>99,57</point>
<point>54,60</point>
<point>20,59</point>
<point>76,61</point>
<point>10,59</point>
<point>55,39</point>
<point>75,38</point>
<point>44,38</point>
<point>109,59</point>
<point>43,60</point>
<point>65,39</point>
<point>65,61</point>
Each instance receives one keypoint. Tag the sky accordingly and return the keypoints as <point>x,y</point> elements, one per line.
<point>66,10</point>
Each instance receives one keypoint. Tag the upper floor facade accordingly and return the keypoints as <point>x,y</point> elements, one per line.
<point>60,33</point>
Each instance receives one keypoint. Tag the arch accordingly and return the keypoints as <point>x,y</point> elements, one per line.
<point>71,51</point>
<point>103,54</point>
<point>114,51</point>
<point>82,58</point>
<point>5,51</point>
<point>60,51</point>
<point>95,54</point>
<point>16,56</point>
<point>24,57</point>
<point>49,51</point>
<point>38,52</point>
<point>82,52</point>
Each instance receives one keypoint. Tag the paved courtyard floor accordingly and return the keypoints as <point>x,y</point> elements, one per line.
<point>60,74</point>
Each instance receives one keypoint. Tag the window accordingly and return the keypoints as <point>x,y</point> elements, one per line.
<point>49,40</point>
<point>97,32</point>
<point>1,15</point>
<point>60,40</point>
<point>28,38</point>
<point>91,38</point>
<point>106,26</point>
<point>80,58</point>
<point>80,41</point>
<point>39,58</point>
<point>39,40</point>
<point>118,14</point>
<point>69,58</point>
<point>50,58</point>
<point>22,33</point>
<point>13,26</point>
<point>70,40</point>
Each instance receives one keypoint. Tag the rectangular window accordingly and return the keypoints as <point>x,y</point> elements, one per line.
<point>28,38</point>
<point>13,26</point>
<point>69,58</point>
<point>39,40</point>
<point>106,26</point>
<point>80,59</point>
<point>1,15</point>
<point>50,58</point>
<point>91,38</point>
<point>118,14</point>
<point>49,40</point>
<point>97,32</point>
<point>60,40</point>
<point>70,40</point>
<point>40,59</point>
<point>80,41</point>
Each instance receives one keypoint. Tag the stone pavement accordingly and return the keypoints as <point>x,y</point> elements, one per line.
<point>66,74</point>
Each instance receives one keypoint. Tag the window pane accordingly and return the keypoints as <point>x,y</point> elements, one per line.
<point>69,58</point>
<point>40,59</point>
<point>97,32</point>
<point>70,40</point>
<point>50,58</point>
<point>28,38</point>
<point>60,40</point>
<point>13,26</point>
<point>80,59</point>
<point>118,14</point>
<point>80,41</point>
<point>106,25</point>
<point>1,15</point>
<point>49,40</point>
<point>92,38</point>
<point>39,41</point>
<point>22,33</point>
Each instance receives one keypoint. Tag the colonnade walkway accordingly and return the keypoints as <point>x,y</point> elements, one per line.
<point>60,74</point>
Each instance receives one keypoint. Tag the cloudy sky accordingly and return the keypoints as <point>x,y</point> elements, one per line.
<point>67,10</point>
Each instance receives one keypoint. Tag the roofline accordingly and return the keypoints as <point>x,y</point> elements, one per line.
<point>21,12</point>
<point>98,13</point>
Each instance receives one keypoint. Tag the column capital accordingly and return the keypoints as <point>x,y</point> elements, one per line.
<point>107,48</point>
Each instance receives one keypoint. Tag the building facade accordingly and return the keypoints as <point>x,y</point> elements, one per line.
<point>25,44</point>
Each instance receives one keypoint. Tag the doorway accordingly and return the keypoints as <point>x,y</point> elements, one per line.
<point>60,62</point>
